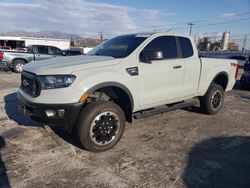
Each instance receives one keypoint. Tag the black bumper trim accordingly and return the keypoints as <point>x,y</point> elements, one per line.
<point>37,112</point>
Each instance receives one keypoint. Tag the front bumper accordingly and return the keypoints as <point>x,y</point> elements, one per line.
<point>39,112</point>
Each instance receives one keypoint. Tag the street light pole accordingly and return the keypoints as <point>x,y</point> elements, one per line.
<point>191,25</point>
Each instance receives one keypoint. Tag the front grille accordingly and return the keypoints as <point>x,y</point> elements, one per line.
<point>29,84</point>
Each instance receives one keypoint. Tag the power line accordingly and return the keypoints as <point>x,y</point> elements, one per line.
<point>197,22</point>
<point>225,22</point>
<point>214,24</point>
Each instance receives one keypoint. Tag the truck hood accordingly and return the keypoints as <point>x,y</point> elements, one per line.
<point>67,65</point>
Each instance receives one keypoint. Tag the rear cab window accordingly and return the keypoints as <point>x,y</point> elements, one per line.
<point>186,47</point>
<point>42,50</point>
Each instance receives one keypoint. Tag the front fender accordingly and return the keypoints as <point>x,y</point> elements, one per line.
<point>91,80</point>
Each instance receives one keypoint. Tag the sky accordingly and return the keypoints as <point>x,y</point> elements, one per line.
<point>90,17</point>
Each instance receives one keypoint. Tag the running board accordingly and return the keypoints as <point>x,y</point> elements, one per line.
<point>163,109</point>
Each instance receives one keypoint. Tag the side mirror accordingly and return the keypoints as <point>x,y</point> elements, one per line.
<point>151,54</point>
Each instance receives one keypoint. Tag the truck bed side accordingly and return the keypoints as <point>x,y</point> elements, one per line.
<point>9,56</point>
<point>213,67</point>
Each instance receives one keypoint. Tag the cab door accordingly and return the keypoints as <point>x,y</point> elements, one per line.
<point>160,81</point>
<point>42,53</point>
<point>192,68</point>
<point>55,52</point>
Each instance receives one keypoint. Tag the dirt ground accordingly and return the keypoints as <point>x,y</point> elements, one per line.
<point>183,148</point>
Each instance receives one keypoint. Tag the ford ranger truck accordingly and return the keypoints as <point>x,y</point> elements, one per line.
<point>126,77</point>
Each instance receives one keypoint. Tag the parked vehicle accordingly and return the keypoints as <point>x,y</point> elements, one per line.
<point>247,65</point>
<point>5,48</point>
<point>245,78</point>
<point>1,56</point>
<point>241,60</point>
<point>73,51</point>
<point>15,59</point>
<point>129,76</point>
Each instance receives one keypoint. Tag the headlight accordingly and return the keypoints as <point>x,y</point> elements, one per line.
<point>56,81</point>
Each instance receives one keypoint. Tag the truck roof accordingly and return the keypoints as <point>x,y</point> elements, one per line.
<point>148,34</point>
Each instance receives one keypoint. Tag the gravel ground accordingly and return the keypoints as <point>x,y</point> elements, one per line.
<point>183,148</point>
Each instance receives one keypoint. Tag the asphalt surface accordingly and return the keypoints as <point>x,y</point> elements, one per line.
<point>183,148</point>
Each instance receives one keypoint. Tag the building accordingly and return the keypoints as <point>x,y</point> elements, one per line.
<point>225,41</point>
<point>233,46</point>
<point>21,42</point>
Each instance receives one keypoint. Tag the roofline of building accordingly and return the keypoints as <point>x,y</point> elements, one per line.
<point>31,38</point>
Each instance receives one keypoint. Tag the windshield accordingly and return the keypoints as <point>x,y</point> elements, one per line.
<point>118,47</point>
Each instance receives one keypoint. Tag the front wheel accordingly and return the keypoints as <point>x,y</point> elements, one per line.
<point>100,126</point>
<point>18,66</point>
<point>212,101</point>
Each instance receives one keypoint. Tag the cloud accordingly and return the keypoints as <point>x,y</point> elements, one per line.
<point>75,16</point>
<point>227,15</point>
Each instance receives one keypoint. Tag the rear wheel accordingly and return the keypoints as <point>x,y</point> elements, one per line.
<point>18,65</point>
<point>100,126</point>
<point>212,101</point>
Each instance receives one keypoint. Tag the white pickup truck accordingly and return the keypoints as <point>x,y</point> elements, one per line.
<point>126,77</point>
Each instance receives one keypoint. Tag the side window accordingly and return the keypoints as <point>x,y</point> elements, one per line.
<point>42,50</point>
<point>166,44</point>
<point>31,50</point>
<point>186,47</point>
<point>55,51</point>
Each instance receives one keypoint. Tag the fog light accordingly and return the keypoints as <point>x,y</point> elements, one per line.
<point>60,113</point>
<point>50,113</point>
<point>55,113</point>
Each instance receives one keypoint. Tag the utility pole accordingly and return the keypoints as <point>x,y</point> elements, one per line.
<point>191,25</point>
<point>101,35</point>
<point>244,44</point>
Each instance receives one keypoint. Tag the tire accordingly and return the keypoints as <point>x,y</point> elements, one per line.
<point>18,65</point>
<point>212,101</point>
<point>100,126</point>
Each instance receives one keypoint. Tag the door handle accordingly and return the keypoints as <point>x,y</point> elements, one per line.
<point>177,67</point>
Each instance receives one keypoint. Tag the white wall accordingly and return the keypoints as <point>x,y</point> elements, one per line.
<point>86,49</point>
<point>62,44</point>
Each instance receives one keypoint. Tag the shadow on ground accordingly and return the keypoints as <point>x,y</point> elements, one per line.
<point>4,68</point>
<point>245,97</point>
<point>194,109</point>
<point>219,162</point>
<point>4,181</point>
<point>11,109</point>
<point>237,86</point>
<point>67,136</point>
